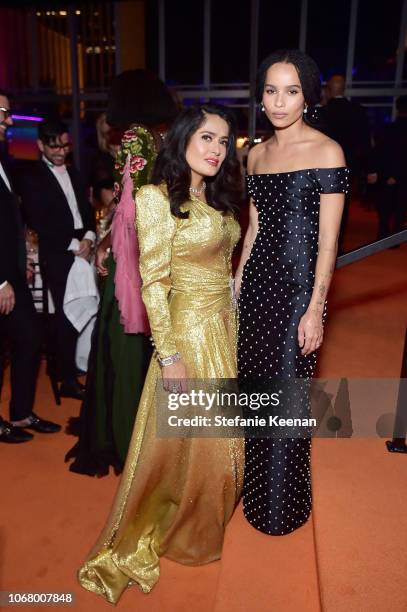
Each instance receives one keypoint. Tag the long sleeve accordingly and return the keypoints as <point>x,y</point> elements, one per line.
<point>37,213</point>
<point>83,204</point>
<point>12,239</point>
<point>6,263</point>
<point>46,211</point>
<point>156,228</point>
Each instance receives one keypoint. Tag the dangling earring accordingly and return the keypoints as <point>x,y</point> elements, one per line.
<point>262,107</point>
<point>305,109</point>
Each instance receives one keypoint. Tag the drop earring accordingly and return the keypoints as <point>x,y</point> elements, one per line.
<point>262,107</point>
<point>305,109</point>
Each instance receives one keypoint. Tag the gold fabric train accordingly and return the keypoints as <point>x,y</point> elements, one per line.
<point>176,495</point>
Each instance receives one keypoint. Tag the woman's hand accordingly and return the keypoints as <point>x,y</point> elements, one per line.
<point>29,270</point>
<point>7,299</point>
<point>238,284</point>
<point>101,256</point>
<point>310,332</point>
<point>174,376</point>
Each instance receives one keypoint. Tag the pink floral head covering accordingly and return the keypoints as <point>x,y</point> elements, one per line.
<point>125,249</point>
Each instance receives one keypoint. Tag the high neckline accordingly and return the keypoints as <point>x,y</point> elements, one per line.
<point>211,209</point>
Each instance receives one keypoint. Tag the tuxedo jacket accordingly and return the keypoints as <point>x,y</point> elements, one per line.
<point>391,153</point>
<point>12,241</point>
<point>46,211</point>
<point>347,123</point>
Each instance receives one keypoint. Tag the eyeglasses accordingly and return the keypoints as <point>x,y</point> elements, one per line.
<point>6,111</point>
<point>55,147</point>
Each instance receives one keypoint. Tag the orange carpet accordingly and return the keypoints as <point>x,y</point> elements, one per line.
<point>360,522</point>
<point>350,556</point>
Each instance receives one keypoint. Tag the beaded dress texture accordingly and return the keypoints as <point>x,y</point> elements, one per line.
<point>276,289</point>
<point>176,494</point>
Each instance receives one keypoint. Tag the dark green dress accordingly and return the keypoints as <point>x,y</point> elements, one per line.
<point>118,361</point>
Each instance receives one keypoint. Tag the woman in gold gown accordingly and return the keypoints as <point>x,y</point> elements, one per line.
<point>176,495</point>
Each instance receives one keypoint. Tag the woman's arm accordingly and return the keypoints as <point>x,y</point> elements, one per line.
<point>310,329</point>
<point>155,229</point>
<point>249,239</point>
<point>102,253</point>
<point>252,229</point>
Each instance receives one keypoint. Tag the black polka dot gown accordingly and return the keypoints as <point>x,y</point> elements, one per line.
<point>276,289</point>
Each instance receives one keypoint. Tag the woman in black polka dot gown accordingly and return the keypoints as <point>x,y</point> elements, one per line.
<point>287,262</point>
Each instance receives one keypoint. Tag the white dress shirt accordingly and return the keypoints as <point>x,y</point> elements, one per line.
<point>81,302</point>
<point>5,179</point>
<point>64,180</point>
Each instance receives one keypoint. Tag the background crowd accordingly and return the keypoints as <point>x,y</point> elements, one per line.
<point>70,213</point>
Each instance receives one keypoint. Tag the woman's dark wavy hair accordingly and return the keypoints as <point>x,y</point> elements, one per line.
<point>223,191</point>
<point>308,72</point>
<point>139,96</point>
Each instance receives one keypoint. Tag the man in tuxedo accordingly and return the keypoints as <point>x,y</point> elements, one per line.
<point>17,312</point>
<point>347,123</point>
<point>56,206</point>
<point>391,164</point>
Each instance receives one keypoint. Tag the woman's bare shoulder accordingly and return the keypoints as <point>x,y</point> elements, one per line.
<point>255,154</point>
<point>326,152</point>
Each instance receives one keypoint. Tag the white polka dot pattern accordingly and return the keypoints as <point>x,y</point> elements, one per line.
<point>276,289</point>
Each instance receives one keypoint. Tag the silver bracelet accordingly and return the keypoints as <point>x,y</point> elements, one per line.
<point>166,361</point>
<point>233,297</point>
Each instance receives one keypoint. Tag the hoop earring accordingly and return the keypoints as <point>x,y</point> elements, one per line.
<point>305,109</point>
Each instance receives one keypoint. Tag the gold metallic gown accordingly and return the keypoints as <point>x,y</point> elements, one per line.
<point>177,494</point>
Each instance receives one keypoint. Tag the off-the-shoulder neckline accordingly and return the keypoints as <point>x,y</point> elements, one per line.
<point>297,171</point>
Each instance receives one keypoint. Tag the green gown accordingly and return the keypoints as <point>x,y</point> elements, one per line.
<point>118,361</point>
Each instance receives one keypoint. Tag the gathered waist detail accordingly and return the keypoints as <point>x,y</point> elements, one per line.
<point>188,304</point>
<point>192,280</point>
